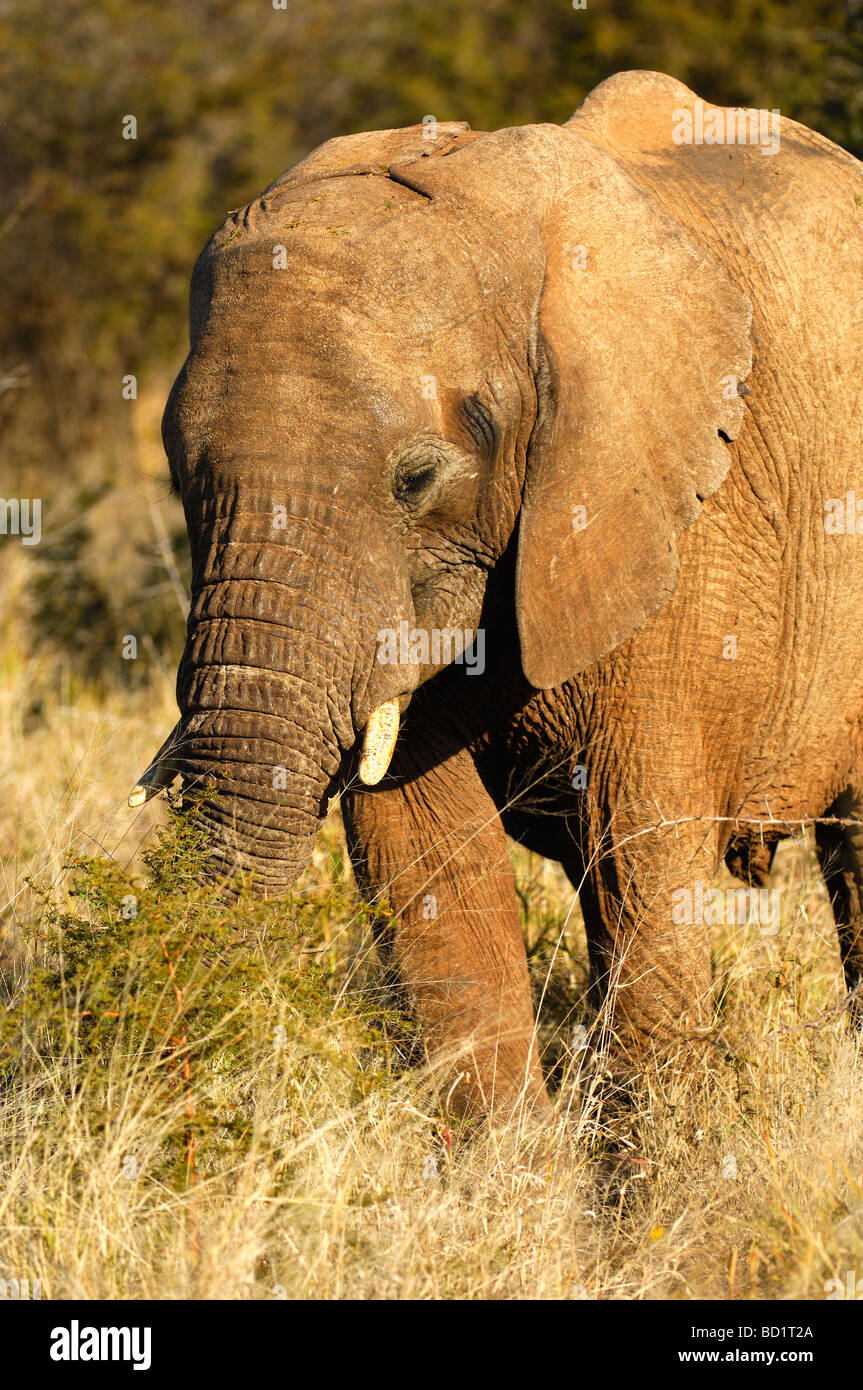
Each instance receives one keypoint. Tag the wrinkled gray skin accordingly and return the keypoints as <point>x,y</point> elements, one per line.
<point>493,380</point>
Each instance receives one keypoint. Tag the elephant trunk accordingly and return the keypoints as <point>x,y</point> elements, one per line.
<point>265,718</point>
<point>278,674</point>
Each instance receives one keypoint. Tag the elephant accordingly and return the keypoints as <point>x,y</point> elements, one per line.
<point>519,473</point>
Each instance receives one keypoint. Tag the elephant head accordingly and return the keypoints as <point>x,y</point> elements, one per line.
<point>408,356</point>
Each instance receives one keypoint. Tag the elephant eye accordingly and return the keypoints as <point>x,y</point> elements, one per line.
<point>424,469</point>
<point>411,484</point>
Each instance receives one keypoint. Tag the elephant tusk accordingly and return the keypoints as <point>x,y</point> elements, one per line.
<point>379,741</point>
<point>159,774</point>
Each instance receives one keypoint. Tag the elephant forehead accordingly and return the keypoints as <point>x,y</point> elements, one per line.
<point>337,307</point>
<point>306,330</point>
<point>349,205</point>
<point>363,242</point>
<point>383,330</point>
<point>327,380</point>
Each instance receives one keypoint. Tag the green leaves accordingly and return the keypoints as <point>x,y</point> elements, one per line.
<point>161,986</point>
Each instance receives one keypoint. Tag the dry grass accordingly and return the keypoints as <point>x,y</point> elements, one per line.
<point>324,1169</point>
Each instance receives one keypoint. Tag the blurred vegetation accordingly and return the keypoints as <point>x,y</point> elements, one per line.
<point>98,234</point>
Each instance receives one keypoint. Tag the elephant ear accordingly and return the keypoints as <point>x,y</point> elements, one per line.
<point>640,340</point>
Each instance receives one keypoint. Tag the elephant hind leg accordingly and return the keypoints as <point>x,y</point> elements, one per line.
<point>648,942</point>
<point>840,855</point>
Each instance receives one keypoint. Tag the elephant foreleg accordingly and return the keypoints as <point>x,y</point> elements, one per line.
<point>431,843</point>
